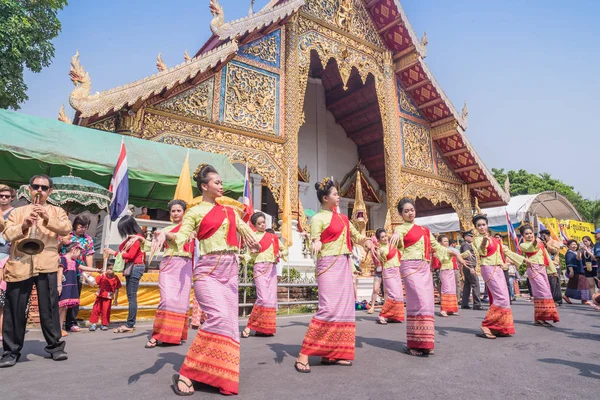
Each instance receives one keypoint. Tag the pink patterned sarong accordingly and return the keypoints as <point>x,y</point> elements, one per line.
<point>499,317</point>
<point>174,283</point>
<point>332,331</point>
<point>393,308</point>
<point>214,356</point>
<point>263,317</point>
<point>448,300</point>
<point>420,305</point>
<point>544,308</point>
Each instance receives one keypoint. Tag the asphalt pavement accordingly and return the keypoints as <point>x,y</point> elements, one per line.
<point>537,363</point>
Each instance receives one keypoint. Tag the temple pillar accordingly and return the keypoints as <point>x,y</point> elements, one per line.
<point>256,181</point>
<point>388,106</point>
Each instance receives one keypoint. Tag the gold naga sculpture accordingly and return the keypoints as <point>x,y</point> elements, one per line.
<point>360,220</point>
<point>62,117</point>
<point>80,78</point>
<point>160,64</point>
<point>217,24</point>
<point>186,56</point>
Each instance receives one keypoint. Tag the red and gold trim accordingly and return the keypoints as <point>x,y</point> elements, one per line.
<point>499,320</point>
<point>214,360</point>
<point>263,320</point>
<point>170,327</point>
<point>449,303</point>
<point>420,332</point>
<point>393,311</point>
<point>545,310</point>
<point>334,340</point>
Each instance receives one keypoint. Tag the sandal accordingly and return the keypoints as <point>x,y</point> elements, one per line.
<point>75,328</point>
<point>246,333</point>
<point>124,329</point>
<point>176,379</point>
<point>486,335</point>
<point>538,323</point>
<point>331,361</point>
<point>382,321</point>
<point>152,343</point>
<point>306,369</point>
<point>443,314</point>
<point>413,352</point>
<point>567,300</point>
<point>371,310</point>
<point>547,324</point>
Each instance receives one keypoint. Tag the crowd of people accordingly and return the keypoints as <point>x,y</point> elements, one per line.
<point>201,253</point>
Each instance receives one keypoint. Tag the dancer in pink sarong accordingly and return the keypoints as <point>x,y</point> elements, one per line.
<point>214,356</point>
<point>332,331</point>
<point>416,244</point>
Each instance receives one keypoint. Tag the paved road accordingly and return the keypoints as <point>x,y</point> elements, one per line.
<point>537,363</point>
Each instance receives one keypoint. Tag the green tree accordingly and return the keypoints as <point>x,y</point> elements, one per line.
<point>523,182</point>
<point>26,30</point>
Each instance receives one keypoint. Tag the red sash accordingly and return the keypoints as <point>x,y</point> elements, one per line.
<point>393,252</point>
<point>533,253</point>
<point>188,247</point>
<point>436,263</point>
<point>415,234</point>
<point>213,221</point>
<point>454,263</point>
<point>335,229</point>
<point>493,244</point>
<point>267,240</point>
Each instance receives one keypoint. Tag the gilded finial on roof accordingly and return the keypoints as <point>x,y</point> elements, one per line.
<point>251,11</point>
<point>424,40</point>
<point>62,117</point>
<point>507,185</point>
<point>160,64</point>
<point>465,111</point>
<point>186,56</point>
<point>80,78</point>
<point>218,20</point>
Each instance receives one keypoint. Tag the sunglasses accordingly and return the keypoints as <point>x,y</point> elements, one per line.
<point>5,196</point>
<point>44,188</point>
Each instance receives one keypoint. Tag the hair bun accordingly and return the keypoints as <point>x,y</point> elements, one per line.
<point>317,186</point>
<point>198,170</point>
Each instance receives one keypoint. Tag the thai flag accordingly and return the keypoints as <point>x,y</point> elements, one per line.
<point>119,186</point>
<point>247,199</point>
<point>512,233</point>
<point>563,234</point>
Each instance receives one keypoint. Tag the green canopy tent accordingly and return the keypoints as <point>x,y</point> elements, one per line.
<point>31,145</point>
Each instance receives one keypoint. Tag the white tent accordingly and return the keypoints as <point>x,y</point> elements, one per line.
<point>545,205</point>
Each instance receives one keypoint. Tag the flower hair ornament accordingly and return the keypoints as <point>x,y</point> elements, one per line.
<point>324,183</point>
<point>197,171</point>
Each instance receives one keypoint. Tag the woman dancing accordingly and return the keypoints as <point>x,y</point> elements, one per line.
<point>214,356</point>
<point>262,319</point>
<point>174,283</point>
<point>393,308</point>
<point>498,320</point>
<point>332,331</point>
<point>448,299</point>
<point>416,243</point>
<point>543,302</point>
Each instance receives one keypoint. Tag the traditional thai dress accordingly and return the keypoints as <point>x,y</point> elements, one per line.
<point>332,331</point>
<point>174,283</point>
<point>263,316</point>
<point>393,308</point>
<point>69,297</point>
<point>543,302</point>
<point>499,317</point>
<point>577,286</point>
<point>214,356</point>
<point>416,243</point>
<point>448,299</point>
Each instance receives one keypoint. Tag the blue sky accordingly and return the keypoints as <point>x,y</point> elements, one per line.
<point>528,69</point>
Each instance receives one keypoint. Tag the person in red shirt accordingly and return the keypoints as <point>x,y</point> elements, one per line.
<point>108,292</point>
<point>134,257</point>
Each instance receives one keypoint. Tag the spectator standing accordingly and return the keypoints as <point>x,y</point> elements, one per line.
<point>471,280</point>
<point>85,262</point>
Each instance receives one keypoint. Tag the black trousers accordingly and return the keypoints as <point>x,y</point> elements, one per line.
<point>506,277</point>
<point>471,285</point>
<point>555,287</point>
<point>15,321</point>
<point>71,317</point>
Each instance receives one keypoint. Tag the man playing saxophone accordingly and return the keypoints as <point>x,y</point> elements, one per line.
<point>33,231</point>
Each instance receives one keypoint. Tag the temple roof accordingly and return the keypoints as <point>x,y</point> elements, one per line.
<point>102,103</point>
<point>348,186</point>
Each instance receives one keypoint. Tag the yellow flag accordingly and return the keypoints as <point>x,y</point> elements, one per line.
<point>184,185</point>
<point>286,221</point>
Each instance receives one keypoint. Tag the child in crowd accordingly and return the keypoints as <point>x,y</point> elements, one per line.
<point>2,292</point>
<point>108,292</point>
<point>67,282</point>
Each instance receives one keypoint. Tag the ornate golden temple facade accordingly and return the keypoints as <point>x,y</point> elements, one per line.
<point>240,95</point>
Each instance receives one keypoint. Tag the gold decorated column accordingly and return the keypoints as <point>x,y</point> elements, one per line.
<point>388,106</point>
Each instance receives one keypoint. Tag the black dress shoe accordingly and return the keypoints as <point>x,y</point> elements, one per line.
<point>480,308</point>
<point>60,356</point>
<point>466,307</point>
<point>8,360</point>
